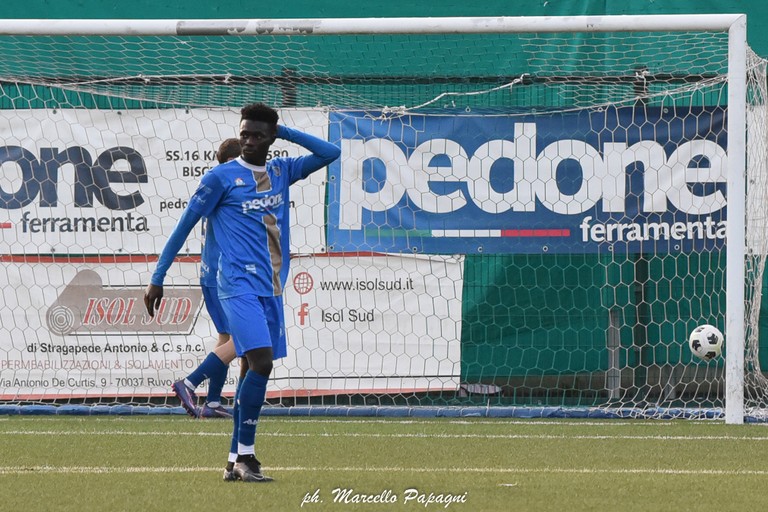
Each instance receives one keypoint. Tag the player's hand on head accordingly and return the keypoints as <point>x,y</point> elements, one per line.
<point>152,297</point>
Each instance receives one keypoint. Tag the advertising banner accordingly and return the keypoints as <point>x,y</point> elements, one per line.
<point>71,331</point>
<point>90,181</point>
<point>353,324</point>
<point>627,179</point>
<point>373,323</point>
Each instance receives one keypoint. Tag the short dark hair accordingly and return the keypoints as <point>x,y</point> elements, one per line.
<point>228,150</point>
<point>259,112</point>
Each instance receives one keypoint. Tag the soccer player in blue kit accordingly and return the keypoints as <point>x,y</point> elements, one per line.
<point>216,364</point>
<point>246,202</point>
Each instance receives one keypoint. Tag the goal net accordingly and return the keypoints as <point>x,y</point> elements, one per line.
<point>528,216</point>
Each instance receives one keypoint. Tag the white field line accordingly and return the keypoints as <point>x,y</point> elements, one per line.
<point>559,437</point>
<point>29,470</point>
<point>499,422</point>
<point>373,421</point>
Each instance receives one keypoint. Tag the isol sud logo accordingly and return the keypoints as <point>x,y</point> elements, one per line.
<point>86,306</point>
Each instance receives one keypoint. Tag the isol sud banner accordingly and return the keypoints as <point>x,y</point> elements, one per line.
<point>373,323</point>
<point>385,323</point>
<point>82,330</point>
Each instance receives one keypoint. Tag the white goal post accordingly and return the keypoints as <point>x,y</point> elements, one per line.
<point>734,25</point>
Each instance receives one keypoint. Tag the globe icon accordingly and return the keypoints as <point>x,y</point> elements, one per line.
<point>303,283</point>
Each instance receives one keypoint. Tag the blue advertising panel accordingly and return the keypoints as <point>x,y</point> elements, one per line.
<point>628,179</point>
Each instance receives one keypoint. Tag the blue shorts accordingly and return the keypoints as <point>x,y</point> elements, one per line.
<point>256,322</point>
<point>213,305</point>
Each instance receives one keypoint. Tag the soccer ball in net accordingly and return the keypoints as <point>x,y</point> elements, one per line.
<point>706,342</point>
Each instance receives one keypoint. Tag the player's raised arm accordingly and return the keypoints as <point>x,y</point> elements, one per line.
<point>323,152</point>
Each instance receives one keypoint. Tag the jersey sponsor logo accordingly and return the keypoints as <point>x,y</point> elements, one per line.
<point>446,183</point>
<point>262,203</point>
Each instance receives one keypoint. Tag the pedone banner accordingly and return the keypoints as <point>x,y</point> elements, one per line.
<point>626,179</point>
<point>91,181</point>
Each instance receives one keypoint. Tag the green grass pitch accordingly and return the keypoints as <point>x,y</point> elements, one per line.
<point>158,463</point>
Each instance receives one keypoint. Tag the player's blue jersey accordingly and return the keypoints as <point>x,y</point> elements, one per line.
<point>248,209</point>
<point>209,257</point>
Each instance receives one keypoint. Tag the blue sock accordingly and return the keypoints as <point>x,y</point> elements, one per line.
<point>236,418</point>
<point>216,383</point>
<point>251,398</point>
<point>210,368</point>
